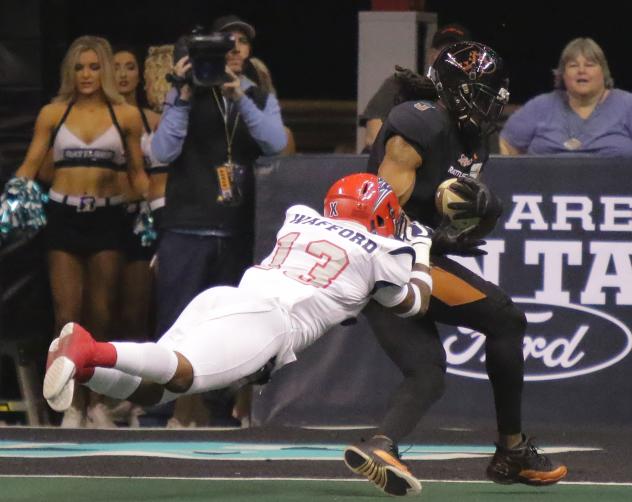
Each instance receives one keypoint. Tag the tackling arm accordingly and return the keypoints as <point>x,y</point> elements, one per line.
<point>416,294</point>
<point>419,289</point>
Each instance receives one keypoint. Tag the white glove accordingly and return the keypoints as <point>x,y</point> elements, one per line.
<point>419,237</point>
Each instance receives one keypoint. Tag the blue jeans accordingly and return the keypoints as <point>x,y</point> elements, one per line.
<point>190,263</point>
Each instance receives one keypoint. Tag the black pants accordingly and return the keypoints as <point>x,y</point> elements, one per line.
<point>460,298</point>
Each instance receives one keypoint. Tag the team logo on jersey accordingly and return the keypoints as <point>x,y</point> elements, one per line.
<point>333,209</point>
<point>422,107</point>
<point>464,160</point>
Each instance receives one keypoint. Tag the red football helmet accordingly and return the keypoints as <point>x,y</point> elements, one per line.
<point>366,199</point>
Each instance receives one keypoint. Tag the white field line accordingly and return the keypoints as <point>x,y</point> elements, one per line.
<point>176,478</point>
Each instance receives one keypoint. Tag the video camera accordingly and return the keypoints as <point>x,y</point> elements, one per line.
<point>207,54</point>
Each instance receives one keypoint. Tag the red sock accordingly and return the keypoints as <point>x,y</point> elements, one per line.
<point>84,374</point>
<point>104,355</point>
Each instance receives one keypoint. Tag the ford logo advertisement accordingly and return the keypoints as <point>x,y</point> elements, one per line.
<point>562,341</point>
<point>564,255</point>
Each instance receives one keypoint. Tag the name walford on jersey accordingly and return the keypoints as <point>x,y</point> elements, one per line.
<point>362,240</point>
<point>324,271</point>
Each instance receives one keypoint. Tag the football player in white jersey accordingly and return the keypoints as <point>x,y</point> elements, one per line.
<point>322,271</point>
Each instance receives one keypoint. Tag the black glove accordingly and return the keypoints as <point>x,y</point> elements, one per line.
<point>480,202</point>
<point>449,240</point>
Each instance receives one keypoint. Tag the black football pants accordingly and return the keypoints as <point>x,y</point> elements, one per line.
<point>460,298</point>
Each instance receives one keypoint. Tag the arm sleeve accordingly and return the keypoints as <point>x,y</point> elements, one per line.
<point>265,126</point>
<point>393,268</point>
<point>389,296</point>
<point>166,144</point>
<point>392,274</point>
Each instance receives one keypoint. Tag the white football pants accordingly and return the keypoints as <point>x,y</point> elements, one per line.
<point>227,334</point>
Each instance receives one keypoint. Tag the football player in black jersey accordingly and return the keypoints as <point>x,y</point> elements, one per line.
<point>420,145</point>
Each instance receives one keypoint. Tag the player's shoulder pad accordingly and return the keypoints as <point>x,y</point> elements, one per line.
<point>417,111</point>
<point>416,121</point>
<point>300,209</point>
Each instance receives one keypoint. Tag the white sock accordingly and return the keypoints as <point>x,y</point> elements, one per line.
<point>113,383</point>
<point>149,360</point>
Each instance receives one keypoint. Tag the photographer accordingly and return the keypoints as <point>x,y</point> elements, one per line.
<point>214,126</point>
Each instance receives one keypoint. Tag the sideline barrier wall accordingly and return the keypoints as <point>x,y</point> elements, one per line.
<point>562,250</point>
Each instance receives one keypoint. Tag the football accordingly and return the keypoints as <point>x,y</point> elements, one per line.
<point>443,197</point>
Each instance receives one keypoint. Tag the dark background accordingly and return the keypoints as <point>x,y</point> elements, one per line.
<point>311,47</point>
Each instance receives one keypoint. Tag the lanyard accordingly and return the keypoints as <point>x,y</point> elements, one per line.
<point>229,137</point>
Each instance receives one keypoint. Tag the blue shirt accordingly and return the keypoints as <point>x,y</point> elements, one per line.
<point>547,125</point>
<point>265,126</point>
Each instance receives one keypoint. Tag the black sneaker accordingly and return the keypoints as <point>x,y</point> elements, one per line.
<point>523,464</point>
<point>378,460</point>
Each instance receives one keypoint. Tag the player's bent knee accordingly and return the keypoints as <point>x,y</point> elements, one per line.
<point>183,379</point>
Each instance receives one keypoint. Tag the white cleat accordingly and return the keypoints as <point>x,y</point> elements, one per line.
<point>62,401</point>
<point>59,384</point>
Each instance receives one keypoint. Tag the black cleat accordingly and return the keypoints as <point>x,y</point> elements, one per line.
<point>523,464</point>
<point>378,460</point>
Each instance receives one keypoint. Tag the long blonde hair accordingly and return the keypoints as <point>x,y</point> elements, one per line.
<point>67,89</point>
<point>158,63</point>
<point>591,50</point>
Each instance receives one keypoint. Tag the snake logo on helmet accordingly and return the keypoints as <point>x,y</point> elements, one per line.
<point>471,82</point>
<point>365,199</point>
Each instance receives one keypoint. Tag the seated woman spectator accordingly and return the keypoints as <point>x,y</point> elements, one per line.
<point>583,115</point>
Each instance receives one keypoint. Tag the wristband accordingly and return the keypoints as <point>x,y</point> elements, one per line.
<point>414,310</point>
<point>422,276</point>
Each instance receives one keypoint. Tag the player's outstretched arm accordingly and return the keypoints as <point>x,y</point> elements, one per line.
<point>419,237</point>
<point>412,299</point>
<point>415,304</point>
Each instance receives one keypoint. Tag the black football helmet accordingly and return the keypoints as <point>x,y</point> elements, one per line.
<point>471,82</point>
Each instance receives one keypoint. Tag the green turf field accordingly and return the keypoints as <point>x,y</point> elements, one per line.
<point>60,489</point>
